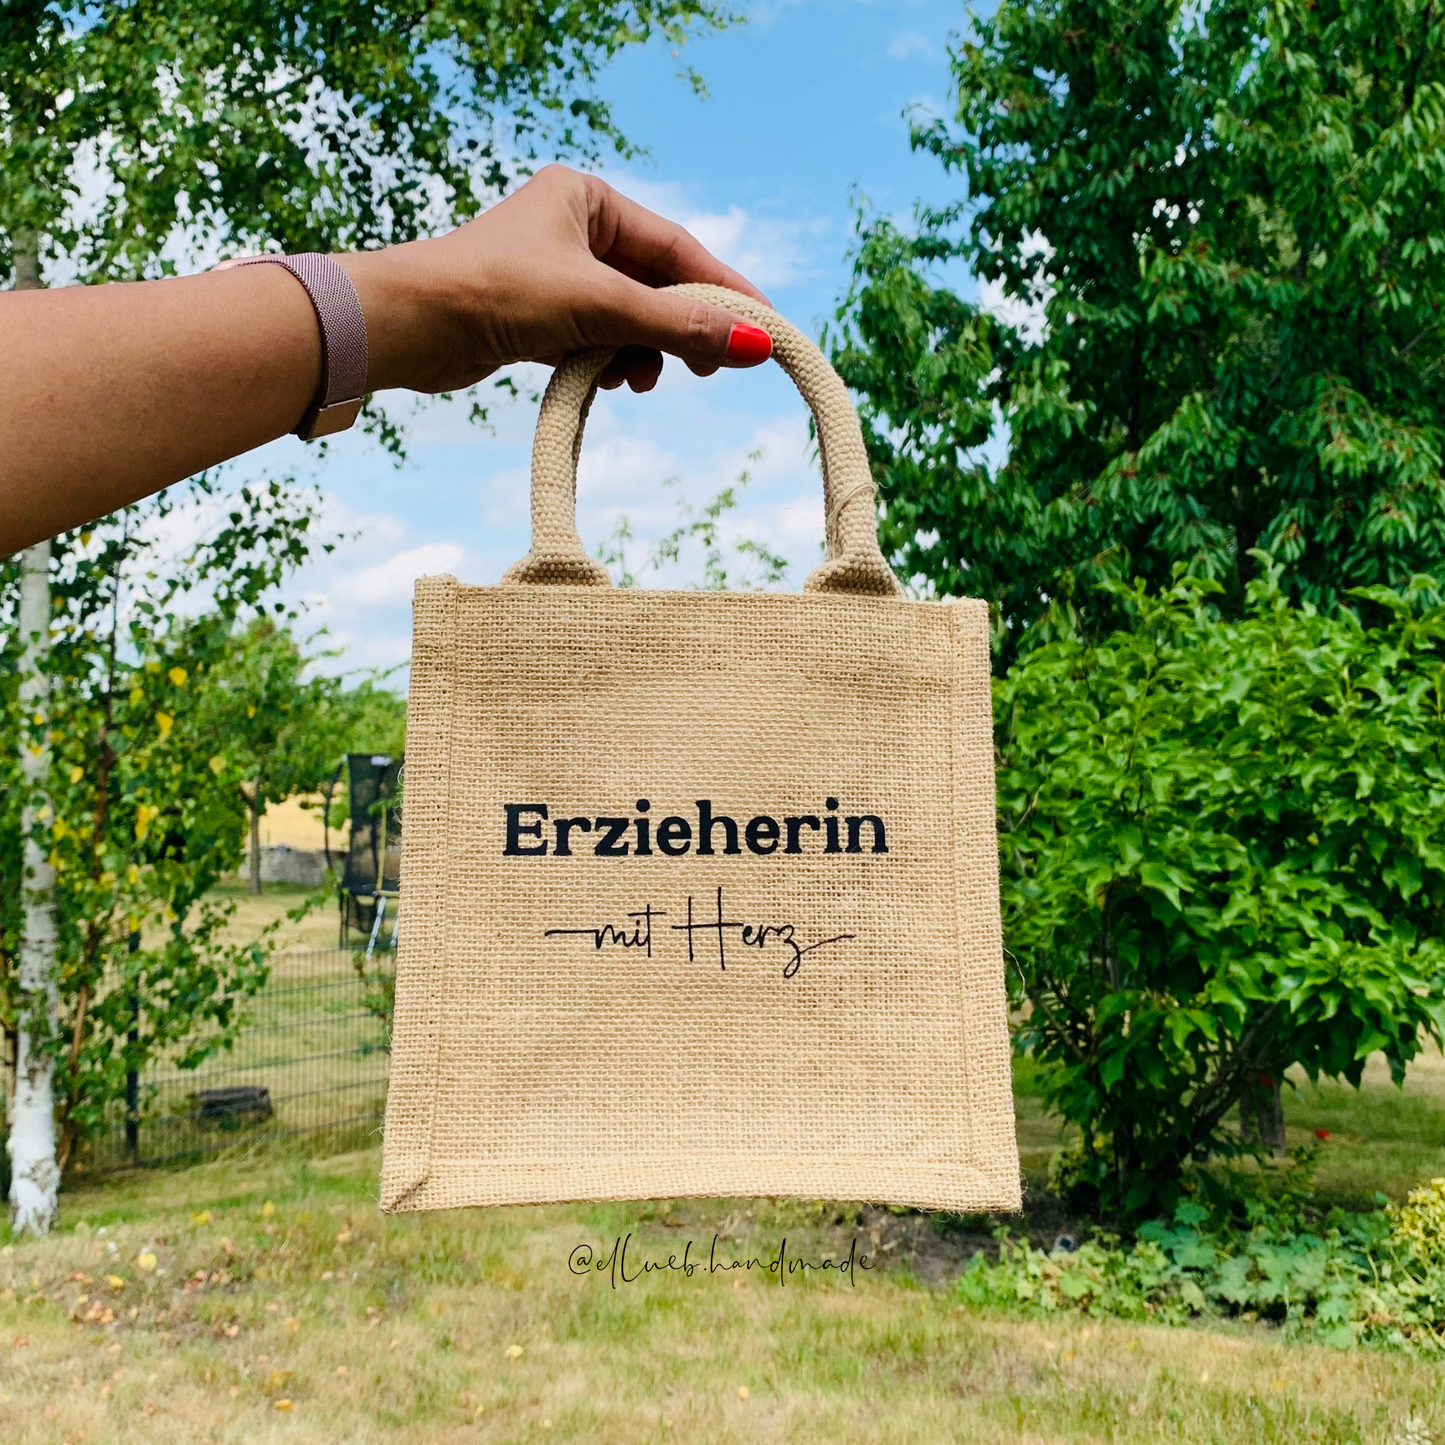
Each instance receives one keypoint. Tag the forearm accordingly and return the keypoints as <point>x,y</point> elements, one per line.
<point>109,392</point>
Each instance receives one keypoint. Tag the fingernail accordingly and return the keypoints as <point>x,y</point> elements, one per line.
<point>748,345</point>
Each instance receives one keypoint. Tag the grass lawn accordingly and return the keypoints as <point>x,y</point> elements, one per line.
<point>318,929</point>
<point>266,1299</point>
<point>270,1301</point>
<point>1381,1138</point>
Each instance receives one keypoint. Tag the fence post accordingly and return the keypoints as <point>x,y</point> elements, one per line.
<point>132,1079</point>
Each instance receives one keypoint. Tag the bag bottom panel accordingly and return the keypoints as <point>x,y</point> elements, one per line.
<point>472,1183</point>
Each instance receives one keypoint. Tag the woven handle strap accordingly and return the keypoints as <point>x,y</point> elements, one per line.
<point>853,562</point>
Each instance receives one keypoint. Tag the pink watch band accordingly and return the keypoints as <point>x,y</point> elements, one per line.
<point>337,402</point>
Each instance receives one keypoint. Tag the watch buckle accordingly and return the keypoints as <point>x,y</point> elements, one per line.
<point>327,420</point>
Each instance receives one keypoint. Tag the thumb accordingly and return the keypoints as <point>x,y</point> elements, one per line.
<point>704,336</point>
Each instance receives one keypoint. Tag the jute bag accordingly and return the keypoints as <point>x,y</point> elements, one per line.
<point>699,890</point>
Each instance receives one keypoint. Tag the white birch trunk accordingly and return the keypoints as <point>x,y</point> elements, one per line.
<point>34,1178</point>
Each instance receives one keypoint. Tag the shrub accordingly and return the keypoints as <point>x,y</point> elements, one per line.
<point>1220,858</point>
<point>1335,1277</point>
<point>1420,1223</point>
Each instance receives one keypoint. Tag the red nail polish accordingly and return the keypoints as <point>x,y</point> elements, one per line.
<point>748,345</point>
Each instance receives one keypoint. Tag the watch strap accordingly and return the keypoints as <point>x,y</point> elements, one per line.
<point>338,399</point>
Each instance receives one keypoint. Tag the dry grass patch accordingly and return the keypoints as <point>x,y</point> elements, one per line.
<point>228,1304</point>
<point>318,929</point>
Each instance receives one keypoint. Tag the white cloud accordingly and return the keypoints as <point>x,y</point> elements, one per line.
<point>785,446</point>
<point>801,520</point>
<point>911,44</point>
<point>769,251</point>
<point>429,419</point>
<point>338,518</point>
<point>379,651</point>
<point>623,470</point>
<point>392,581</point>
<point>767,13</point>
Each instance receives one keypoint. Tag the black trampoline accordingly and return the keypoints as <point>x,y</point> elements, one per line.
<point>371,874</point>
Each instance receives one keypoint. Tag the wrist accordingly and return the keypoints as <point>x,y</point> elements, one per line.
<point>408,325</point>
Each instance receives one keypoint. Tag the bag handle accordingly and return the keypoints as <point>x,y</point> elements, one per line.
<point>853,562</point>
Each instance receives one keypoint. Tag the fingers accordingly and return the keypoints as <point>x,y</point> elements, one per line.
<point>638,366</point>
<point>651,249</point>
<point>564,262</point>
<point>704,336</point>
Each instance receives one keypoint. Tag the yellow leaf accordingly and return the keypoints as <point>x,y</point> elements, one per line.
<point>145,815</point>
<point>250,711</point>
<point>177,676</point>
<point>293,1324</point>
<point>85,538</point>
<point>204,1217</point>
<point>514,1352</point>
<point>276,1379</point>
<point>283,1405</point>
<point>744,1393</point>
<point>115,1281</point>
<point>267,1210</point>
<point>145,1261</point>
<point>77,773</point>
<point>137,695</point>
<point>217,764</point>
<point>153,668</point>
<point>165,722</point>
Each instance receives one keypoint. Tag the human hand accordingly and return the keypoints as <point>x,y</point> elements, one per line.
<point>562,263</point>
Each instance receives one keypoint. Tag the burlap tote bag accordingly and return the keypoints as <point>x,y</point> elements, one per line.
<point>699,890</point>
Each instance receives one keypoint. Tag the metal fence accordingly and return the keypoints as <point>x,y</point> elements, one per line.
<point>311,1058</point>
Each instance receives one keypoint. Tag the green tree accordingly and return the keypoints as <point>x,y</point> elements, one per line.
<point>1227,218</point>
<point>312,124</point>
<point>141,815</point>
<point>130,132</point>
<point>275,728</point>
<point>376,718</point>
<point>1221,859</point>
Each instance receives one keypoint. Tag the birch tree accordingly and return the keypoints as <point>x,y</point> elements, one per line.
<point>34,1177</point>
<point>118,814</point>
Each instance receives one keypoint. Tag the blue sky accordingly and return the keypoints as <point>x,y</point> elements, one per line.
<point>806,102</point>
